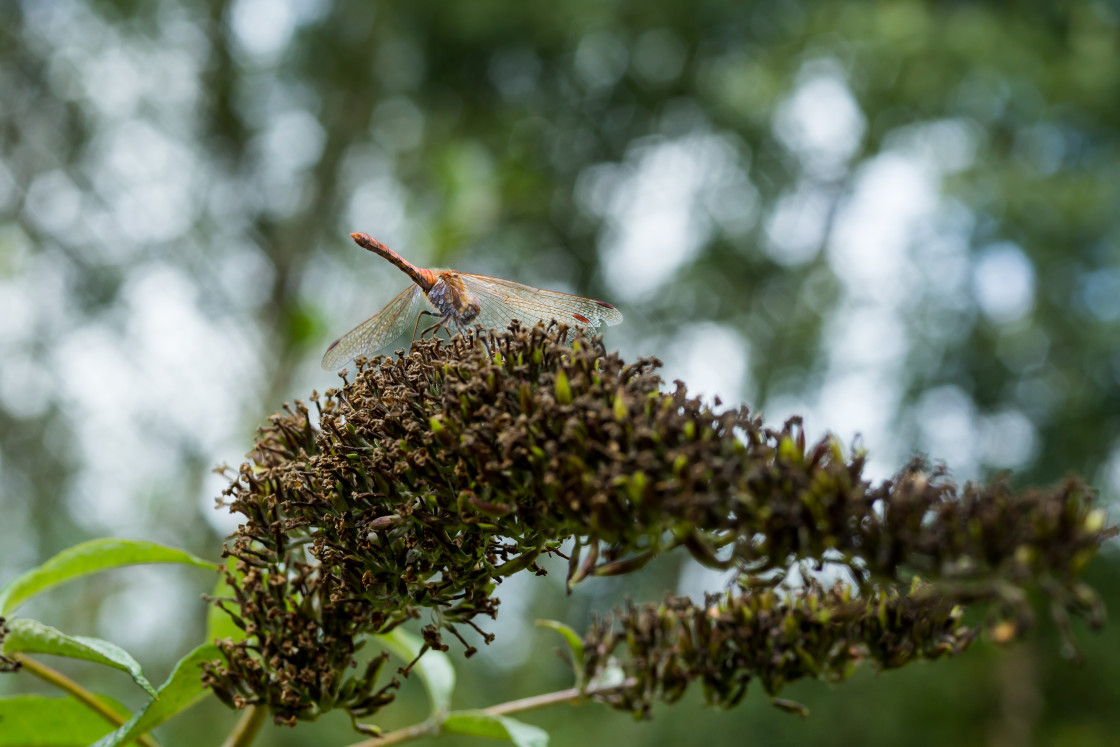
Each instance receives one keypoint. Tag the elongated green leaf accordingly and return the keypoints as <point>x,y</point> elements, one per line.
<point>434,667</point>
<point>38,721</point>
<point>181,691</point>
<point>575,645</point>
<point>33,637</point>
<point>89,557</point>
<point>483,724</point>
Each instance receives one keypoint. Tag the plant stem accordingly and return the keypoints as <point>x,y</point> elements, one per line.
<point>247,727</point>
<point>431,728</point>
<point>424,729</point>
<point>79,693</point>
<point>537,701</point>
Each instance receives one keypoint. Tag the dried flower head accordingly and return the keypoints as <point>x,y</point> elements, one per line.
<point>773,637</point>
<point>433,475</point>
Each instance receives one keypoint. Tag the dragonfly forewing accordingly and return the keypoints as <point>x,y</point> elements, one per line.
<point>503,300</point>
<point>374,333</point>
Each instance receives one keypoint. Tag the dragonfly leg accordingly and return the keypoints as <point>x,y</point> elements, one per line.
<point>414,326</point>
<point>435,327</point>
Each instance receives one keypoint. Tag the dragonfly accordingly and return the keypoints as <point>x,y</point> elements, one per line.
<point>459,300</point>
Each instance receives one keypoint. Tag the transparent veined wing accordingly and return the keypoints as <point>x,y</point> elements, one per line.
<point>503,300</point>
<point>381,328</point>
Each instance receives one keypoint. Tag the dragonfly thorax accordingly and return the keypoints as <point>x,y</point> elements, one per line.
<point>453,300</point>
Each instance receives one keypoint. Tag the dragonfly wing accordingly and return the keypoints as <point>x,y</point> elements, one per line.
<point>381,328</point>
<point>504,300</point>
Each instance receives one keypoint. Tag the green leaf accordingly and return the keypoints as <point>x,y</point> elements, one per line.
<point>434,667</point>
<point>219,624</point>
<point>39,721</point>
<point>575,645</point>
<point>483,724</point>
<point>33,637</point>
<point>89,557</point>
<point>181,691</point>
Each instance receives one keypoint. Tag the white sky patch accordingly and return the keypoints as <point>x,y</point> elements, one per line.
<point>654,206</point>
<point>886,236</point>
<point>99,395</point>
<point>711,359</point>
<point>113,79</point>
<point>16,313</point>
<point>145,181</point>
<point>377,207</point>
<point>139,615</point>
<point>262,28</point>
<point>20,546</point>
<point>821,122</point>
<point>53,201</point>
<point>1003,281</point>
<point>1008,439</point>
<point>136,152</point>
<point>115,73</point>
<point>243,271</point>
<point>860,403</point>
<point>874,230</point>
<point>1099,293</point>
<point>291,141</point>
<point>25,385</point>
<point>946,418</point>
<point>228,203</point>
<point>1109,479</point>
<point>134,397</point>
<point>176,345</point>
<point>174,75</point>
<point>733,203</point>
<point>797,224</point>
<point>513,629</point>
<point>945,262</point>
<point>863,336</point>
<point>40,295</point>
<point>696,580</point>
<point>949,145</point>
<point>221,520</point>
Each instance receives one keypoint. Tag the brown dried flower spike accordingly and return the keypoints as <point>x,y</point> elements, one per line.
<point>432,476</point>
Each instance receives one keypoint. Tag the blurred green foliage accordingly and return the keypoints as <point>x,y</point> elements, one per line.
<point>904,215</point>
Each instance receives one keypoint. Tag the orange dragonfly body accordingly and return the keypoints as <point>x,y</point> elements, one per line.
<point>460,299</point>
